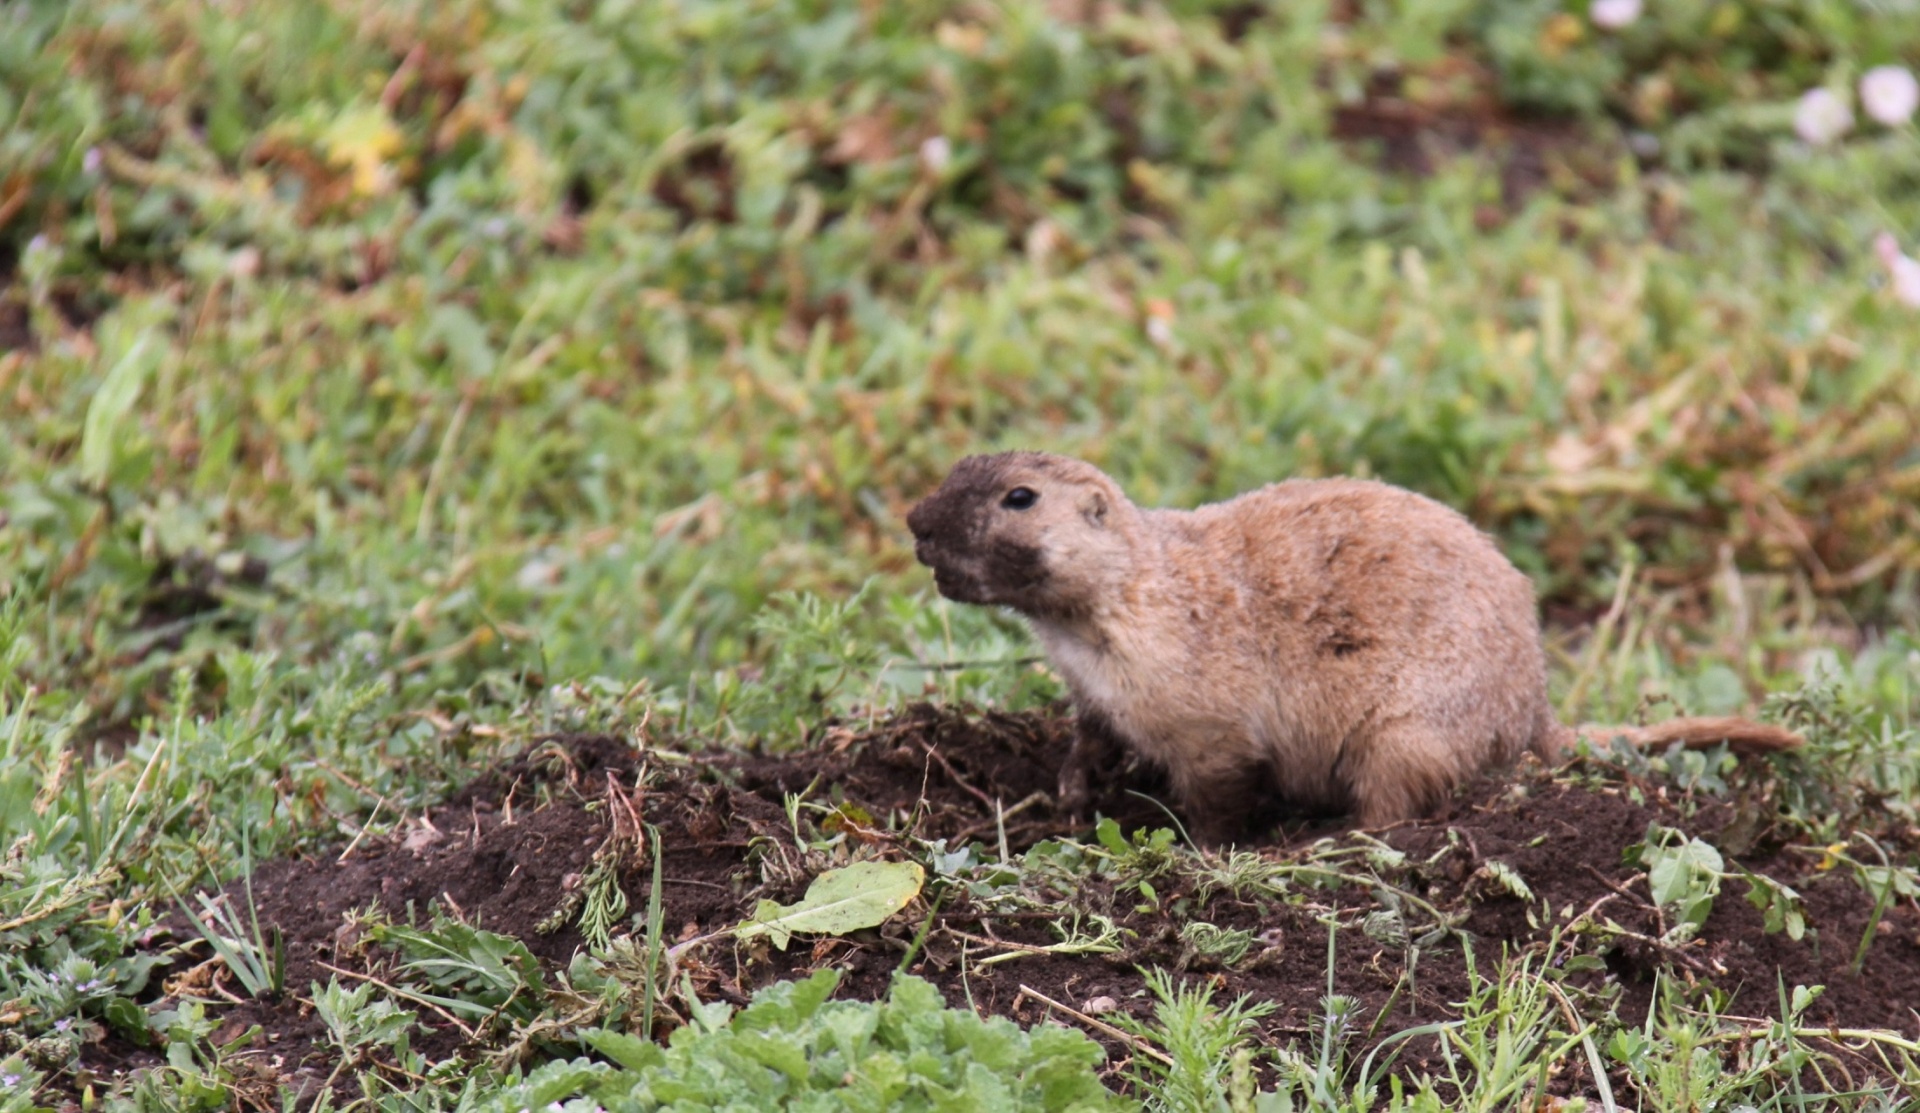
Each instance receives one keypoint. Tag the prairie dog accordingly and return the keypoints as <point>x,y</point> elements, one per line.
<point>1334,644</point>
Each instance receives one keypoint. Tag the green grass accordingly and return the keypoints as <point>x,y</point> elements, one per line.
<point>536,349</point>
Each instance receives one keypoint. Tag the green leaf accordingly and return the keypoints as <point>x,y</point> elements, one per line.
<point>466,340</point>
<point>631,1052</point>
<point>553,1082</point>
<point>101,433</point>
<point>791,1003</point>
<point>914,997</point>
<point>776,1050</point>
<point>858,896</point>
<point>1586,964</point>
<point>129,1019</point>
<point>1779,905</point>
<point>1685,878</point>
<point>491,967</point>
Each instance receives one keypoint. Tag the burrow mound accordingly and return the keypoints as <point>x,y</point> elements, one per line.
<point>504,853</point>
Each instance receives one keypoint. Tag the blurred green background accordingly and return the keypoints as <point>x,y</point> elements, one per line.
<point>542,341</point>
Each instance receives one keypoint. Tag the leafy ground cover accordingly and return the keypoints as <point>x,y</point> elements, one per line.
<point>1550,938</point>
<point>424,419</point>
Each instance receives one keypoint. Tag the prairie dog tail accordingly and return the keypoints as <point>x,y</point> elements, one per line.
<point>1743,736</point>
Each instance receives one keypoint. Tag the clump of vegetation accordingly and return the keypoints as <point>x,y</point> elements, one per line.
<point>792,1048</point>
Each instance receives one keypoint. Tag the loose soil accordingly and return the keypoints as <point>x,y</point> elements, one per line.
<point>505,851</point>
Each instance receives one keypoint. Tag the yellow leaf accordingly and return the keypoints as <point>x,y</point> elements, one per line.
<point>1560,32</point>
<point>961,38</point>
<point>363,139</point>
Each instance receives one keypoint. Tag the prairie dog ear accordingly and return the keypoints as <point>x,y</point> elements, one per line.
<point>1093,507</point>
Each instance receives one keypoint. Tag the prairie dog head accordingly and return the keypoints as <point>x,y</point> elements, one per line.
<point>1049,536</point>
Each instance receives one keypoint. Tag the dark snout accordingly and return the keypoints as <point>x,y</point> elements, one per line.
<point>921,519</point>
<point>941,523</point>
<point>941,526</point>
<point>921,522</point>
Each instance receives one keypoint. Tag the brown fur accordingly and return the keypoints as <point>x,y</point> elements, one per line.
<point>1335,644</point>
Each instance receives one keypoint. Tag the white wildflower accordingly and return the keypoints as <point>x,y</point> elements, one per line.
<point>1903,270</point>
<point>1906,281</point>
<point>538,574</point>
<point>935,153</point>
<point>1159,323</point>
<point>1890,94</point>
<point>1614,14</point>
<point>1822,116</point>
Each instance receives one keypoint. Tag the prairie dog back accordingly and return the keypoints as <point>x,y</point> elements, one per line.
<point>1379,614</point>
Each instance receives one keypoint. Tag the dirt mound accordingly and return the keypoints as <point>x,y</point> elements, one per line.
<point>1517,859</point>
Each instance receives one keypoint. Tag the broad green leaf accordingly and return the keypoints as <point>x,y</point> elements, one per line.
<point>1779,905</point>
<point>630,1052</point>
<point>779,1051</point>
<point>456,956</point>
<point>102,432</point>
<point>858,896</point>
<point>1685,878</point>
<point>786,1004</point>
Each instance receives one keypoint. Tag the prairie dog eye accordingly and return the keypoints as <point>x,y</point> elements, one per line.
<point>1020,498</point>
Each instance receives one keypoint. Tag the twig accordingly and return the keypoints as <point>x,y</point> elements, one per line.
<point>1604,900</point>
<point>213,983</point>
<point>363,790</point>
<point>1012,950</point>
<point>1659,916</point>
<point>933,751</point>
<point>955,666</point>
<point>361,833</point>
<point>1133,1043</point>
<point>1671,952</point>
<point>1710,966</point>
<point>628,837</point>
<point>1595,1065</point>
<point>1618,889</point>
<point>1885,1036</point>
<point>986,825</point>
<point>964,915</point>
<point>397,1069</point>
<point>1003,944</point>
